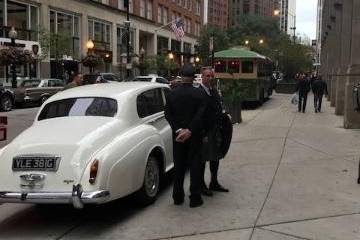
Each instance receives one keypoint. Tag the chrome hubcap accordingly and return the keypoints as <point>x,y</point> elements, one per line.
<point>152,179</point>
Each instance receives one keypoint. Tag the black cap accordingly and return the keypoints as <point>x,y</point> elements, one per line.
<point>187,71</point>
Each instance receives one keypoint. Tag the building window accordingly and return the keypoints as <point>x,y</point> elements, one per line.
<point>165,15</point>
<point>65,35</point>
<point>159,14</point>
<point>121,5</point>
<point>198,7</point>
<point>142,8</point>
<point>246,7</point>
<point>24,17</point>
<point>100,33</point>
<point>150,10</point>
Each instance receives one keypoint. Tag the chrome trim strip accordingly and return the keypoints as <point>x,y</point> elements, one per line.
<point>95,197</point>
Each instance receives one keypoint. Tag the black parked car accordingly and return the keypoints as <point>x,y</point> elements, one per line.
<point>7,99</point>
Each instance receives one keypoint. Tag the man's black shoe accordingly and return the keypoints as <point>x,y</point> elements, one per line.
<point>217,188</point>
<point>196,203</point>
<point>178,201</point>
<point>206,192</point>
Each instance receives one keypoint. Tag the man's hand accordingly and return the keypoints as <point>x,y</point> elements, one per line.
<point>183,135</point>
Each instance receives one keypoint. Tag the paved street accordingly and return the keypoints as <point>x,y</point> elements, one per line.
<point>291,176</point>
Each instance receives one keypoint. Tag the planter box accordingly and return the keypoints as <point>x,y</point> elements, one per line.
<point>233,107</point>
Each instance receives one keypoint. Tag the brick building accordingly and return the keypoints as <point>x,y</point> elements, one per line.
<point>239,8</point>
<point>218,13</point>
<point>77,21</point>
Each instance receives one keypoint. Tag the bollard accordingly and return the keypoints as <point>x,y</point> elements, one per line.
<point>3,129</point>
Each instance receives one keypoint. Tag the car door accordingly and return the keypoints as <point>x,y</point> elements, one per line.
<point>151,105</point>
<point>34,89</point>
<point>56,85</point>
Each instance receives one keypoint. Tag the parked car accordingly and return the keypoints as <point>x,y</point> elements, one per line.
<point>36,90</point>
<point>100,78</point>
<point>151,78</point>
<point>91,145</point>
<point>7,99</point>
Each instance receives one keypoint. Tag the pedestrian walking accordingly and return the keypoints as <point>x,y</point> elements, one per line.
<point>303,87</point>
<point>185,108</point>
<point>212,138</point>
<point>77,81</point>
<point>319,88</point>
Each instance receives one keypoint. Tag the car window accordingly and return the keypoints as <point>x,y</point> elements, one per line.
<point>51,83</point>
<point>150,102</point>
<point>162,80</point>
<point>147,79</point>
<point>104,107</point>
<point>43,83</point>
<point>56,83</point>
<point>30,83</point>
<point>108,77</point>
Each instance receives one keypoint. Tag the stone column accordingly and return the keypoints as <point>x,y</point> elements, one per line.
<point>334,52</point>
<point>344,58</point>
<point>154,45</point>
<point>352,118</point>
<point>337,50</point>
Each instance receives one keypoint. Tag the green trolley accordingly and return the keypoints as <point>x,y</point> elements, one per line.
<point>245,73</point>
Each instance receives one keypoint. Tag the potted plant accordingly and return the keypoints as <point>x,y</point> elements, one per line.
<point>91,61</point>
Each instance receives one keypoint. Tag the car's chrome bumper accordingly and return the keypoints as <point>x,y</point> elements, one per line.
<point>77,197</point>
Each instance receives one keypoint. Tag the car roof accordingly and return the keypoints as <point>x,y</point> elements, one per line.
<point>114,90</point>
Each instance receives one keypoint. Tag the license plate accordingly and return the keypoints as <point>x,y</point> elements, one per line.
<point>39,163</point>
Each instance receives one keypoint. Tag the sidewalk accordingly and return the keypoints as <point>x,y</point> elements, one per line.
<point>291,176</point>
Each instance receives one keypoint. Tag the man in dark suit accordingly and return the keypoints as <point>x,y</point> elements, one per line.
<point>303,86</point>
<point>319,88</point>
<point>185,108</point>
<point>211,149</point>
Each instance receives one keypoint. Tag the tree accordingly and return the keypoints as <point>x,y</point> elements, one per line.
<point>221,42</point>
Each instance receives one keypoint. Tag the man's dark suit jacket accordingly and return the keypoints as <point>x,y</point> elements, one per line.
<point>185,108</point>
<point>303,86</point>
<point>319,87</point>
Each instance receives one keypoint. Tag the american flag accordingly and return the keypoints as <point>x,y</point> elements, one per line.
<point>177,27</point>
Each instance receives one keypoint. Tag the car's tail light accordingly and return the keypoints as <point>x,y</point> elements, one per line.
<point>93,171</point>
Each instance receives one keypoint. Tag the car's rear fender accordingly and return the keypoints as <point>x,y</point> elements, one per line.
<point>123,161</point>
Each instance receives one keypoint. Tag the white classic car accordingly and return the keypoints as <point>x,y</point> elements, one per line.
<point>91,144</point>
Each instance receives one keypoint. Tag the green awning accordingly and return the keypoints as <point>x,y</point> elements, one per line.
<point>239,53</point>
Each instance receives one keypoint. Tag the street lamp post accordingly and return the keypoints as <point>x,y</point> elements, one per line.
<point>13,36</point>
<point>127,25</point>
<point>90,46</point>
<point>142,54</point>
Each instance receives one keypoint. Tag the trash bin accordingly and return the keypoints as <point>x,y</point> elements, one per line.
<point>356,98</point>
<point>233,107</point>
